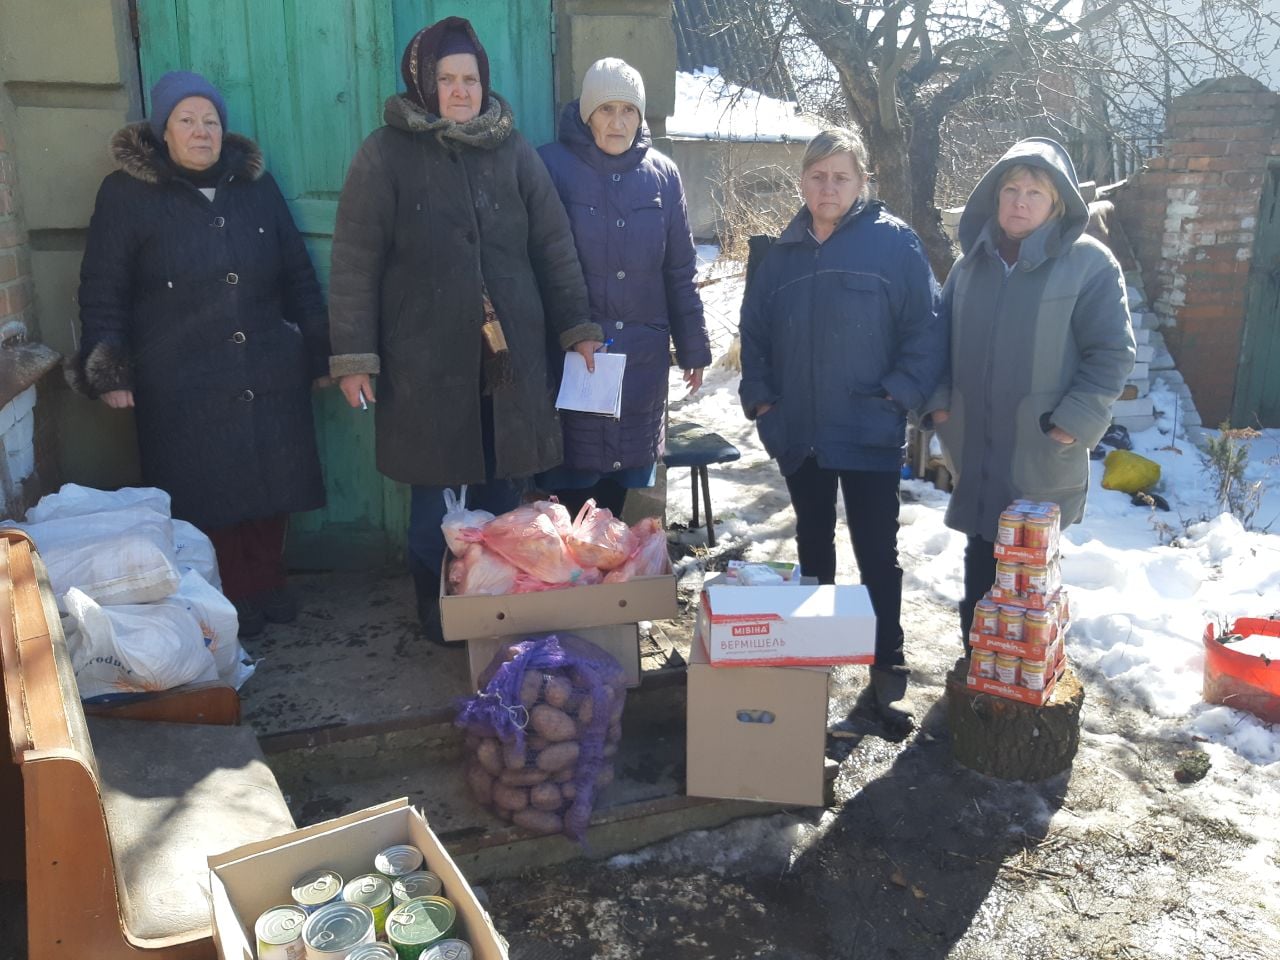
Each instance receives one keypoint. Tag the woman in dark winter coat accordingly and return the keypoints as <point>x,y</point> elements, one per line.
<point>1041,346</point>
<point>454,278</point>
<point>200,309</point>
<point>840,338</point>
<point>631,226</point>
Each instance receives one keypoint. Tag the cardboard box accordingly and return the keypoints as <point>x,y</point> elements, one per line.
<point>605,604</point>
<point>998,688</point>
<point>1039,555</point>
<point>784,626</point>
<point>756,734</point>
<point>1030,601</point>
<point>1017,648</point>
<point>246,881</point>
<point>790,572</point>
<point>621,641</point>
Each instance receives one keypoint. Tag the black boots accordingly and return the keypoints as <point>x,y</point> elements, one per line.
<point>889,685</point>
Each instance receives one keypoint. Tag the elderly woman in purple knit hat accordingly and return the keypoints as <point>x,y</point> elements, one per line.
<point>454,281</point>
<point>631,227</point>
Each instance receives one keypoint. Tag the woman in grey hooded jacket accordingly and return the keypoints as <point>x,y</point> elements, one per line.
<point>1041,346</point>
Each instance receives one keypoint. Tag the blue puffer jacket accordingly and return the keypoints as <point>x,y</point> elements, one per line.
<point>631,228</point>
<point>843,338</point>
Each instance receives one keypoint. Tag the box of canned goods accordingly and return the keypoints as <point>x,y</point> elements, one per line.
<point>253,881</point>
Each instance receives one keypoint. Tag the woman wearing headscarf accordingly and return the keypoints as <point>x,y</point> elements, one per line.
<point>454,279</point>
<point>1041,346</point>
<point>200,310</point>
<point>840,338</point>
<point>630,223</point>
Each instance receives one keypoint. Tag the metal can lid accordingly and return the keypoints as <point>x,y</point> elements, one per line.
<point>448,950</point>
<point>1012,613</point>
<point>421,920</point>
<point>338,927</point>
<point>372,889</point>
<point>318,886</point>
<point>373,951</point>
<point>398,860</point>
<point>280,925</point>
<point>1011,516</point>
<point>420,883</point>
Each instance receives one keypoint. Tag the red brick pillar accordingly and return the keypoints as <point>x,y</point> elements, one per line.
<point>15,257</point>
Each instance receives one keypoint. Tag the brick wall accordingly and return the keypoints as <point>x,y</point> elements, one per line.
<point>1190,215</point>
<point>15,256</point>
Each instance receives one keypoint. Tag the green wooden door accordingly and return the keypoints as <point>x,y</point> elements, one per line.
<point>307,79</point>
<point>1257,398</point>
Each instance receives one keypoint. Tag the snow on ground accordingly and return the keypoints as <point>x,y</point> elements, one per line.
<point>1143,583</point>
<point>710,107</point>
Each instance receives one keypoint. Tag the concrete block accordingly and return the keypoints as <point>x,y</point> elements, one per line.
<point>1163,360</point>
<point>1142,386</point>
<point>1142,335</point>
<point>1171,378</point>
<point>1136,424</point>
<point>62,159</point>
<point>1135,296</point>
<point>1146,353</point>
<point>1139,372</point>
<point>645,42</point>
<point>1132,408</point>
<point>86,50</point>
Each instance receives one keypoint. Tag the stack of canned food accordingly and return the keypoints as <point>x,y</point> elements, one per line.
<point>395,911</point>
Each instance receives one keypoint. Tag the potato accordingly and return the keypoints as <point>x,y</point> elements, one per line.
<point>552,723</point>
<point>536,743</point>
<point>511,651</point>
<point>481,784</point>
<point>586,710</point>
<point>537,821</point>
<point>604,777</point>
<point>616,713</point>
<point>524,777</point>
<point>530,688</point>
<point>545,796</point>
<point>489,753</point>
<point>557,691</point>
<point>565,775</point>
<point>514,755</point>
<point>559,756</point>
<point>506,797</point>
<point>568,791</point>
<point>615,732</point>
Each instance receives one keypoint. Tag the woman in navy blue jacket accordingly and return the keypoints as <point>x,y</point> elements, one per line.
<point>627,210</point>
<point>840,338</point>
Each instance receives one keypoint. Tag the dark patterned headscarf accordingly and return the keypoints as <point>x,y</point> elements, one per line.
<point>428,46</point>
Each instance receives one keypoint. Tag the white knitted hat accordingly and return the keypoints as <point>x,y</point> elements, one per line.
<point>610,79</point>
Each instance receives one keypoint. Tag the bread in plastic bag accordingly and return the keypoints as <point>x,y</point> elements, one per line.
<point>527,537</point>
<point>481,572</point>
<point>219,626</point>
<point>74,500</point>
<point>1129,472</point>
<point>461,526</point>
<point>599,539</point>
<point>649,558</point>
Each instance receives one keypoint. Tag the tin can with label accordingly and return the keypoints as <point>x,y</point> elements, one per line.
<point>1035,579</point>
<point>1033,674</point>
<point>984,663</point>
<point>1012,622</point>
<point>279,933</point>
<point>420,883</point>
<point>1006,670</point>
<point>448,950</point>
<point>394,862</point>
<point>313,890</point>
<point>1009,530</point>
<point>1035,532</point>
<point>374,891</point>
<point>1036,627</point>
<point>417,924</point>
<point>373,951</point>
<point>986,617</point>
<point>1008,576</point>
<point>336,929</point>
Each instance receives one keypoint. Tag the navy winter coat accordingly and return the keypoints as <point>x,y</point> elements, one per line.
<point>631,228</point>
<point>209,311</point>
<point>843,338</point>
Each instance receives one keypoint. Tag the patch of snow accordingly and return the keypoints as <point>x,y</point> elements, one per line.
<point>708,107</point>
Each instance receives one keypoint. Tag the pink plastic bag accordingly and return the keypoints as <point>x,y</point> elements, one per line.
<point>599,540</point>
<point>559,516</point>
<point>650,557</point>
<point>460,525</point>
<point>481,572</point>
<point>527,538</point>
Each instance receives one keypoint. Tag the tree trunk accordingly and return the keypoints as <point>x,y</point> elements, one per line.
<point>925,218</point>
<point>1012,740</point>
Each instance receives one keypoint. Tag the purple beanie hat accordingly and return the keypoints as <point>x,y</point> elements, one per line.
<point>174,87</point>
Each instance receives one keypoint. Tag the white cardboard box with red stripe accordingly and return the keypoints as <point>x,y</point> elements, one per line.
<point>787,626</point>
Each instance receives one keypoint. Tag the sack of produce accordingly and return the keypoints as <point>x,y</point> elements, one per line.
<point>481,572</point>
<point>599,539</point>
<point>1128,472</point>
<point>649,558</point>
<point>527,537</point>
<point>543,731</point>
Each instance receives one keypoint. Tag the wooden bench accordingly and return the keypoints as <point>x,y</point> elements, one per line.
<point>120,814</point>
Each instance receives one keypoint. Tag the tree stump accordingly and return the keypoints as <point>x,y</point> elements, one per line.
<point>1011,740</point>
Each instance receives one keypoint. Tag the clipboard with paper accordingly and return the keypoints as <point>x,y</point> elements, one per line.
<point>599,392</point>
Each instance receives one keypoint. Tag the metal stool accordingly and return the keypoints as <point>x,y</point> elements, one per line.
<point>693,445</point>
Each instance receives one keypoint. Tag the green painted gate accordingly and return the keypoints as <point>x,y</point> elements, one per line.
<point>307,79</point>
<point>1257,398</point>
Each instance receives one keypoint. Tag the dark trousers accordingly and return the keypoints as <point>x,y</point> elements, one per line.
<point>979,575</point>
<point>607,493</point>
<point>871,505</point>
<point>251,556</point>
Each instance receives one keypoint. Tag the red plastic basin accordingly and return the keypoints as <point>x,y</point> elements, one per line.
<point>1241,680</point>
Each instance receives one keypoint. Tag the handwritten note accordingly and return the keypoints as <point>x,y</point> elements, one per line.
<point>599,392</point>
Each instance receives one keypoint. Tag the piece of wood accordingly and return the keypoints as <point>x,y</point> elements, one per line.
<point>207,703</point>
<point>1011,740</point>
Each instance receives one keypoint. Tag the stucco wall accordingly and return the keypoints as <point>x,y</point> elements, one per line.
<point>765,170</point>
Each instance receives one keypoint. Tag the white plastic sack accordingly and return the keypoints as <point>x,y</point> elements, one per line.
<point>194,551</point>
<point>73,500</point>
<point>123,556</point>
<point>134,648</point>
<point>219,626</point>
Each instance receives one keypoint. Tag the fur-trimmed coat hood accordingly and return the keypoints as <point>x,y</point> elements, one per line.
<point>138,153</point>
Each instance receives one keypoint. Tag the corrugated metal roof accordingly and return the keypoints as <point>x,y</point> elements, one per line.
<point>735,37</point>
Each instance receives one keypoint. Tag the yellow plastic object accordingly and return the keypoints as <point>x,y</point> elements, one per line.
<point>1128,472</point>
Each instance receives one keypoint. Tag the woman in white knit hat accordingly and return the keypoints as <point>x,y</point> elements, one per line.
<point>627,210</point>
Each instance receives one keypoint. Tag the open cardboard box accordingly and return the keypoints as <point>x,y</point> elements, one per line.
<point>601,605</point>
<point>621,641</point>
<point>248,880</point>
